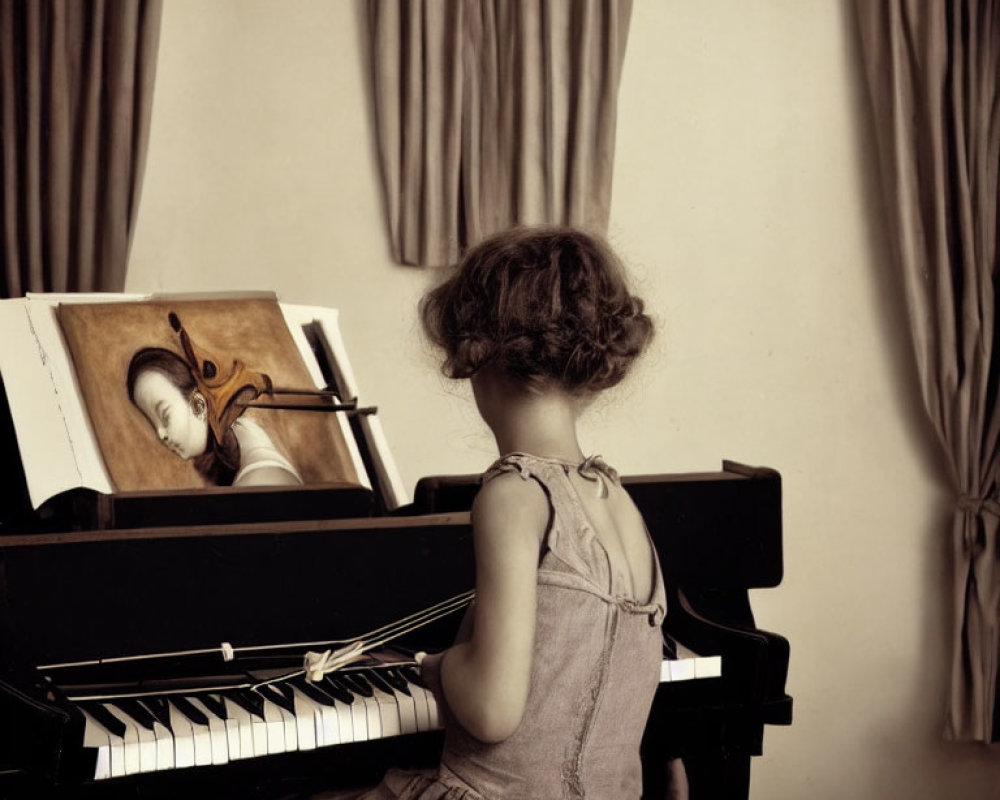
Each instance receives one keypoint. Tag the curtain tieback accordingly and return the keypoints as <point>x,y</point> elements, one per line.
<point>977,505</point>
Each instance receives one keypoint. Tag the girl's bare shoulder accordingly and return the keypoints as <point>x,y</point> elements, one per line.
<point>509,502</point>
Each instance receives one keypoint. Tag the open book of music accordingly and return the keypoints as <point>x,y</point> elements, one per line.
<point>120,401</point>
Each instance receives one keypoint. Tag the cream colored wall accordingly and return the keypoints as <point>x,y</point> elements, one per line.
<point>745,200</point>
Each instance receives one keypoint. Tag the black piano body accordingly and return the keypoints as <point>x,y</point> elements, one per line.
<point>259,566</point>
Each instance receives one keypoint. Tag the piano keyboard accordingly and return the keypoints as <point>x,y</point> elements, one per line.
<point>689,666</point>
<point>134,735</point>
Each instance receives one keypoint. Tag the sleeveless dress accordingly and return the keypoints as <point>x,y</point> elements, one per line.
<point>595,667</point>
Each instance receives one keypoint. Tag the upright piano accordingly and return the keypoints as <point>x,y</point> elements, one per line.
<point>151,645</point>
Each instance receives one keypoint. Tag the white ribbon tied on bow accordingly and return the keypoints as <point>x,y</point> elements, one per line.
<point>316,665</point>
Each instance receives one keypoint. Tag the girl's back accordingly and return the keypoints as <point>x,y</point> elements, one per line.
<point>595,660</point>
<point>619,527</point>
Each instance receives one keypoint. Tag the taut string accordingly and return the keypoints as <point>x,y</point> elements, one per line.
<point>315,665</point>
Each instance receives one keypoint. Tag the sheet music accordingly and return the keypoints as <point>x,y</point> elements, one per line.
<point>58,448</point>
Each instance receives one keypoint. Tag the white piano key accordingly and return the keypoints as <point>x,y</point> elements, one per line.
<point>97,737</point>
<point>133,763</point>
<point>291,729</point>
<point>388,713</point>
<point>147,739</point>
<point>274,724</point>
<point>183,738</point>
<point>708,667</point>
<point>260,734</point>
<point>336,721</point>
<point>202,744</point>
<point>406,708</point>
<point>216,733</point>
<point>243,722</point>
<point>352,715</point>
<point>164,746</point>
<point>393,705</point>
<point>373,719</point>
<point>234,746</point>
<point>432,708</point>
<point>147,749</point>
<point>366,707</point>
<point>358,712</point>
<point>407,712</point>
<point>347,716</point>
<point>421,712</point>
<point>681,669</point>
<point>329,722</point>
<point>234,737</point>
<point>689,666</point>
<point>308,720</point>
<point>117,756</point>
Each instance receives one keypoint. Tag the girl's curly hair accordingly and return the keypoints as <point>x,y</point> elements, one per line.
<point>545,305</point>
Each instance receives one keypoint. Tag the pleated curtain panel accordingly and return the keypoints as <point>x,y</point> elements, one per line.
<point>933,71</point>
<point>493,113</point>
<point>76,85</point>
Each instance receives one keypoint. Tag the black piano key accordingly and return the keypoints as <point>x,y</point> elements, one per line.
<point>214,704</point>
<point>276,696</point>
<point>314,692</point>
<point>184,705</point>
<point>158,708</point>
<point>334,687</point>
<point>136,711</point>
<point>412,674</point>
<point>251,702</point>
<point>394,676</point>
<point>375,678</point>
<point>285,688</point>
<point>105,718</point>
<point>355,683</point>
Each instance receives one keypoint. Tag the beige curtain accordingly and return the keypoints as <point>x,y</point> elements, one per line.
<point>491,113</point>
<point>76,83</point>
<point>933,72</point>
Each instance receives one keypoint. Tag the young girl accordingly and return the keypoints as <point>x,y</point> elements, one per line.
<point>546,692</point>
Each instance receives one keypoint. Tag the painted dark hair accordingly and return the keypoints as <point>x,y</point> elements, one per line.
<point>545,305</point>
<point>220,461</point>
<point>168,362</point>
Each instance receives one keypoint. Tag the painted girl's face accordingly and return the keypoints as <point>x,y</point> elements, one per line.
<point>180,422</point>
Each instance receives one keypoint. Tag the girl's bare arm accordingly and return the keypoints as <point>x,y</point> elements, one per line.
<point>486,678</point>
